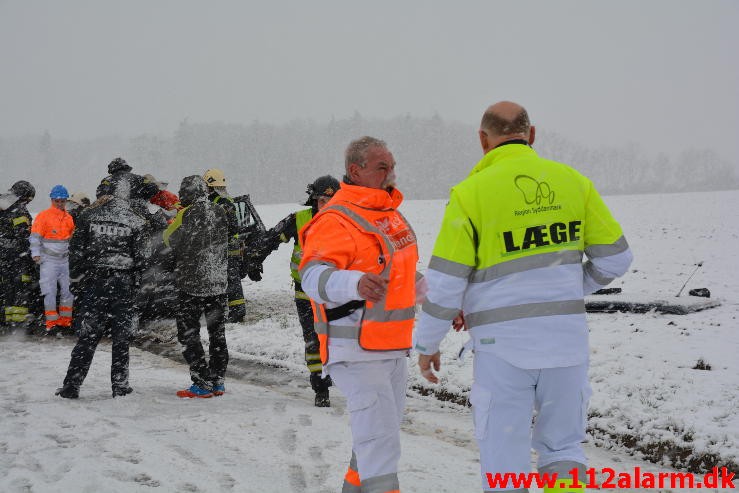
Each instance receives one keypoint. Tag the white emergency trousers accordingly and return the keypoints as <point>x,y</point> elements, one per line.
<point>503,398</point>
<point>55,270</point>
<point>375,400</point>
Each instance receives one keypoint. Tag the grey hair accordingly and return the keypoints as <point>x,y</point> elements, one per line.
<point>356,151</point>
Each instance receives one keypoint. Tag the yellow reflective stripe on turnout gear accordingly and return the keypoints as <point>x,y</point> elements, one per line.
<point>302,218</point>
<point>174,226</point>
<point>20,220</point>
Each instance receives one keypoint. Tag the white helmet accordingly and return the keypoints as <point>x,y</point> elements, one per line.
<point>215,178</point>
<point>80,198</point>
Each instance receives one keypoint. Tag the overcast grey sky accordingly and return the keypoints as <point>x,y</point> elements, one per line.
<point>662,73</point>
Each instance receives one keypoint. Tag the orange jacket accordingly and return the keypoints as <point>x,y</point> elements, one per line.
<point>50,232</point>
<point>360,229</point>
<point>166,200</point>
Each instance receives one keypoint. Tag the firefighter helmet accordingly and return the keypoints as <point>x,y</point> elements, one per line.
<point>325,186</point>
<point>214,177</point>
<point>23,190</point>
<point>80,199</point>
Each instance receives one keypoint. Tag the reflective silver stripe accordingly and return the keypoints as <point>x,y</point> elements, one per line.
<point>323,281</point>
<point>312,263</point>
<point>390,315</point>
<point>343,331</point>
<point>563,468</point>
<point>371,229</point>
<point>529,310</point>
<point>54,254</point>
<point>355,217</point>
<point>448,267</point>
<point>597,276</point>
<point>321,324</point>
<point>617,247</point>
<point>65,313</point>
<point>381,484</point>
<point>438,311</point>
<point>50,240</point>
<point>527,263</point>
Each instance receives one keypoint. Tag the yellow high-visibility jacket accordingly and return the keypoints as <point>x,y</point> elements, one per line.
<point>510,256</point>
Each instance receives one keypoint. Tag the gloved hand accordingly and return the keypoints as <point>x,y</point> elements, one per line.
<point>255,274</point>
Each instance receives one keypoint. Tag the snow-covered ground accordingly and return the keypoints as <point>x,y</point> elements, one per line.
<point>264,435</point>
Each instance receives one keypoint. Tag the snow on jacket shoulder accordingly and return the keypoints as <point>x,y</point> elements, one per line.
<point>15,228</point>
<point>109,236</point>
<point>199,239</point>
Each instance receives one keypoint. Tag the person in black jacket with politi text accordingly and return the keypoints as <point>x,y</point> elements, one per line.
<point>106,259</point>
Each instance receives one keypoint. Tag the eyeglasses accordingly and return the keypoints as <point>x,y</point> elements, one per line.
<point>59,200</point>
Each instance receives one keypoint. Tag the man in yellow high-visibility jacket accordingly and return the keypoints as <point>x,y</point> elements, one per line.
<point>508,264</point>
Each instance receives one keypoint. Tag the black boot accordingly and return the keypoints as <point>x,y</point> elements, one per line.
<point>121,391</point>
<point>68,392</point>
<point>322,399</point>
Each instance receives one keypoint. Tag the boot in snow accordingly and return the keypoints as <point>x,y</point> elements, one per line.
<point>219,389</point>
<point>121,391</point>
<point>195,391</point>
<point>68,392</point>
<point>322,399</point>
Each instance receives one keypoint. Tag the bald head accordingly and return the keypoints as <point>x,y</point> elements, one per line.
<point>502,122</point>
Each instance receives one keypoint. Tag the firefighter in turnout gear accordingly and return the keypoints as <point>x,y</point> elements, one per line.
<point>16,266</point>
<point>217,193</point>
<point>106,258</point>
<point>198,238</point>
<point>508,264</point>
<point>50,234</point>
<point>319,194</point>
<point>359,269</point>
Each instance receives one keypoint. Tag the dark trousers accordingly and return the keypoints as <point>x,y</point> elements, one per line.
<point>312,346</point>
<point>108,302</point>
<point>236,302</point>
<point>203,373</point>
<point>16,285</point>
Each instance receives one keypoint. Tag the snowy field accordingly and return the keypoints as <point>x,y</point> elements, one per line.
<point>650,408</point>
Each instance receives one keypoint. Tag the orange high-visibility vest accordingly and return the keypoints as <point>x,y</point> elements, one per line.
<point>53,224</point>
<point>379,240</point>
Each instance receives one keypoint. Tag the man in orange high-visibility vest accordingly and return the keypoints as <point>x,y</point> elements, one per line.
<point>50,234</point>
<point>359,269</point>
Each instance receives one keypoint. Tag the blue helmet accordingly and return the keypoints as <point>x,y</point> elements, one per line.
<point>59,192</point>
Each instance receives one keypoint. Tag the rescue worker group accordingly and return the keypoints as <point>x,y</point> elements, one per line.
<point>515,281</point>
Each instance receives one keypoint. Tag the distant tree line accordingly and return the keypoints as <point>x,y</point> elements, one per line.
<point>274,163</point>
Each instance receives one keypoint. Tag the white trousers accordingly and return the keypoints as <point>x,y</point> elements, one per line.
<point>375,400</point>
<point>55,271</point>
<point>503,399</point>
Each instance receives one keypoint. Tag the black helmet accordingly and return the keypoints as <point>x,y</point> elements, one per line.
<point>23,190</point>
<point>325,186</point>
<point>118,164</point>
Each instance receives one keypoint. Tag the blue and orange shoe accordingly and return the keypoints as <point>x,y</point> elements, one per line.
<point>195,391</point>
<point>219,390</point>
